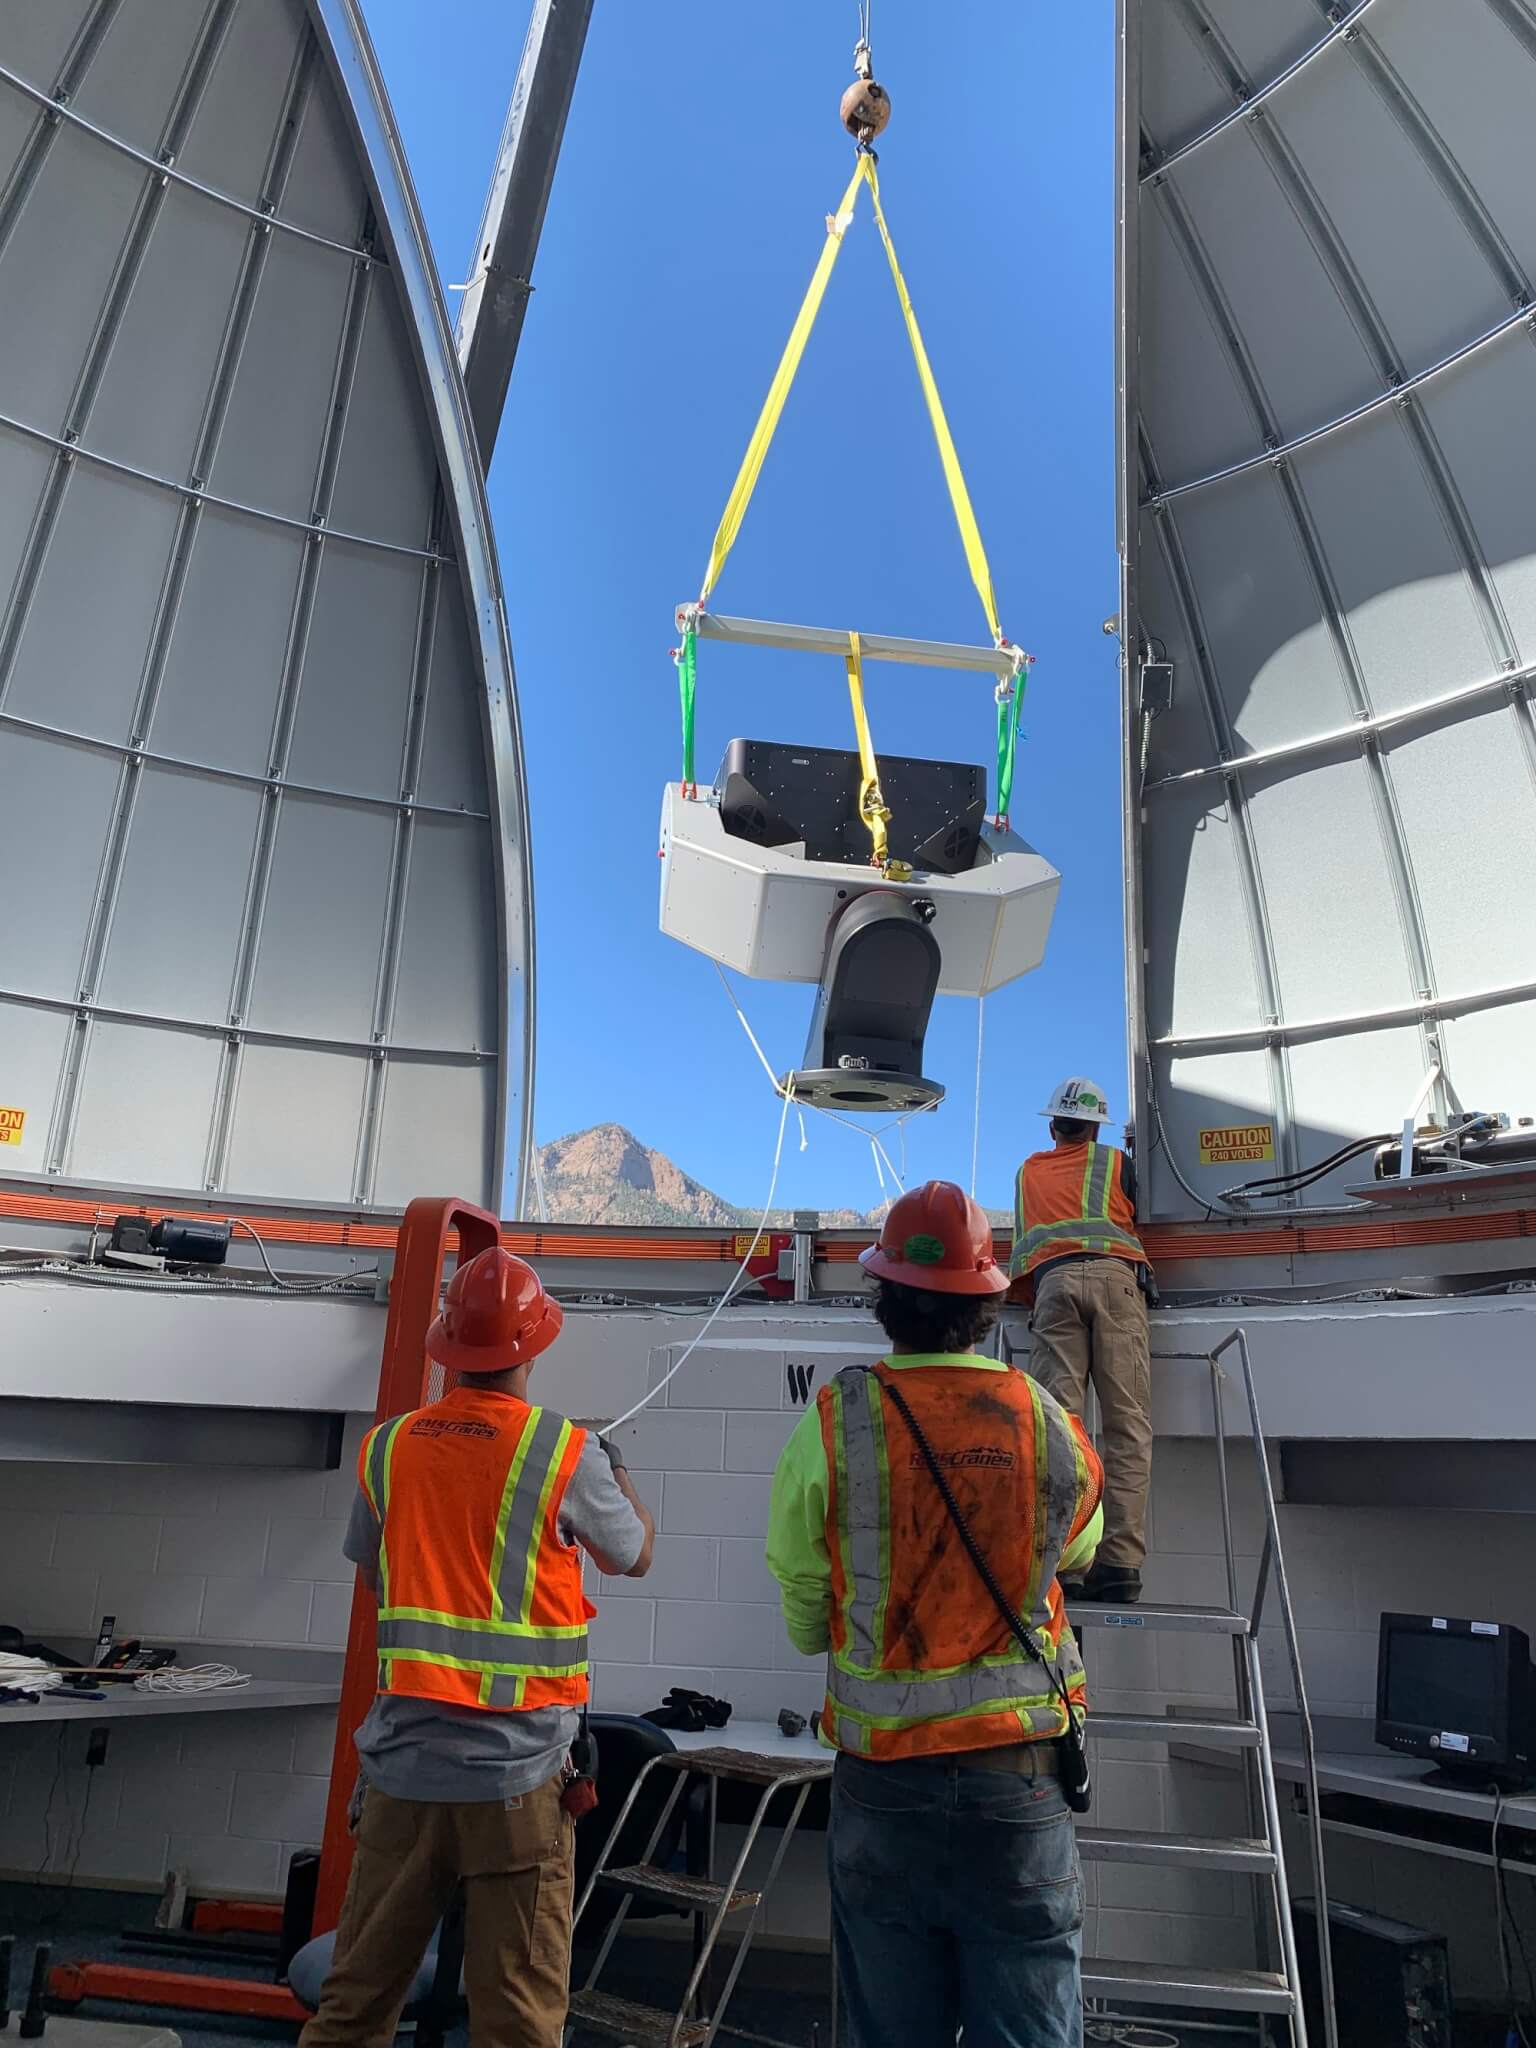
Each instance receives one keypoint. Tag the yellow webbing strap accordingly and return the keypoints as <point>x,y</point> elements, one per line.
<point>872,808</point>
<point>778,391</point>
<point>960,497</point>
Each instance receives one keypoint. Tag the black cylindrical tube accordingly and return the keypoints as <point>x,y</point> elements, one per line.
<point>192,1244</point>
<point>7,1951</point>
<point>1504,1148</point>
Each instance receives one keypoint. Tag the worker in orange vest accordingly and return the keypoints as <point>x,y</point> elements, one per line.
<point>955,1692</point>
<point>466,1525</point>
<point>1078,1261</point>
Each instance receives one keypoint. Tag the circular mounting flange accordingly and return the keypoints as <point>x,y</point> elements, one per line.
<point>853,1091</point>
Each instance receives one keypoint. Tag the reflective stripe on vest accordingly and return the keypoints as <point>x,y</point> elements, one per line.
<point>1090,1208</point>
<point>875,1706</point>
<point>500,1650</point>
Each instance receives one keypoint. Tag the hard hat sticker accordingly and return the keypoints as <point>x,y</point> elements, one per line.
<point>923,1251</point>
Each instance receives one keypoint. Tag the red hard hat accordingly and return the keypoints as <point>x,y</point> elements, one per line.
<point>496,1314</point>
<point>937,1238</point>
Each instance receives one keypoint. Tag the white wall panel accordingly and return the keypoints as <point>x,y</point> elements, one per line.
<point>1485,418</point>
<point>34,1040</point>
<point>386,475</point>
<point>432,1116</point>
<point>269,450</point>
<point>146,1093</point>
<point>82,657</point>
<point>144,53</point>
<point>283,1090</point>
<point>1406,600</point>
<point>48,309</point>
<point>330,880</point>
<point>155,385</point>
<point>448,991</point>
<point>178,905</point>
<point>1480,100</point>
<point>349,727</point>
<point>224,668</point>
<point>44,786</point>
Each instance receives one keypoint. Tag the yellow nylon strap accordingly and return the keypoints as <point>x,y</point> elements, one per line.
<point>872,807</point>
<point>960,497</point>
<point>778,391</point>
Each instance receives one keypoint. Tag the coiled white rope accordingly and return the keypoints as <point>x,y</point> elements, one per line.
<point>192,1678</point>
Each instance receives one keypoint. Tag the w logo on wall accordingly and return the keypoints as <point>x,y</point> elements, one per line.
<point>800,1375</point>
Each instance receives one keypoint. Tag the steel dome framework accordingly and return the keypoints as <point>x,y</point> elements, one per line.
<point>262,805</point>
<point>1327,241</point>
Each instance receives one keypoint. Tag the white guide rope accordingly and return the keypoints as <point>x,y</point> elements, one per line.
<point>773,1188</point>
<point>981,1023</point>
<point>883,1162</point>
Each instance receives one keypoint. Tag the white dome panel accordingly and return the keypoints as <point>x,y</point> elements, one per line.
<point>1329,387</point>
<point>260,766</point>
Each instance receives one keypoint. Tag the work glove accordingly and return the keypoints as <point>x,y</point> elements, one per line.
<point>612,1453</point>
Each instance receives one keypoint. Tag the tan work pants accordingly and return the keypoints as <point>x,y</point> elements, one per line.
<point>517,1867</point>
<point>1090,1323</point>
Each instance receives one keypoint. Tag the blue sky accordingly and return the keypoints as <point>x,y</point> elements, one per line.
<point>702,156</point>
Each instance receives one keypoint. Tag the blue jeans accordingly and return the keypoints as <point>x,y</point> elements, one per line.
<point>957,1900</point>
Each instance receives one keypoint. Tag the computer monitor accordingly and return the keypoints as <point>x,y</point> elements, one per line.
<point>1459,1693</point>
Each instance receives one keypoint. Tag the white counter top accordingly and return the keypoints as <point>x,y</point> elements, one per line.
<point>752,1738</point>
<point>122,1703</point>
<point>1400,1781</point>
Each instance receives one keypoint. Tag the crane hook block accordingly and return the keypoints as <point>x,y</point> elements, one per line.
<point>865,110</point>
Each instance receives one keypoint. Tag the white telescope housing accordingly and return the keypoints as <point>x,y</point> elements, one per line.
<point>767,911</point>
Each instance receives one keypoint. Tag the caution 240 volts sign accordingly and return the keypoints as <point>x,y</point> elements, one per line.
<point>1237,1144</point>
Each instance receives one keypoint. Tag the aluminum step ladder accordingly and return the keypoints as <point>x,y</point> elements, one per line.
<point>1268,1993</point>
<point>711,1904</point>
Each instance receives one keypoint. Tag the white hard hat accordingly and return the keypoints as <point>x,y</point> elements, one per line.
<point>1081,1099</point>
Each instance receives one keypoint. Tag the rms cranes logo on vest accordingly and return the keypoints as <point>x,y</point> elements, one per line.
<point>979,1458</point>
<point>441,1425</point>
<point>1237,1144</point>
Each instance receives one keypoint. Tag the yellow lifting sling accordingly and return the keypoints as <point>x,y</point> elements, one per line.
<point>872,806</point>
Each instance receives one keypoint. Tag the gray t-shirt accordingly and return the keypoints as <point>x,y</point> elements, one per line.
<point>421,1749</point>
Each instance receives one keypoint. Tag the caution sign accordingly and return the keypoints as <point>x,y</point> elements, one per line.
<point>746,1240</point>
<point>12,1123</point>
<point>1237,1144</point>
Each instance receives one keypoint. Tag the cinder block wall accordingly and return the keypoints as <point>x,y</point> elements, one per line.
<point>256,1556</point>
<point>183,1555</point>
<point>179,1552</point>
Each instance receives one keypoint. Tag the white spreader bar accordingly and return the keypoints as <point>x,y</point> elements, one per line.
<point>994,661</point>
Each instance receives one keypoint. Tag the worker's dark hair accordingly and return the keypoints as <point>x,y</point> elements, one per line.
<point>1072,1128</point>
<point>925,1321</point>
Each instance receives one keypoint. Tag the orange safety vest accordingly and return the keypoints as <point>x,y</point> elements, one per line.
<point>480,1600</point>
<point>1070,1201</point>
<point>921,1662</point>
